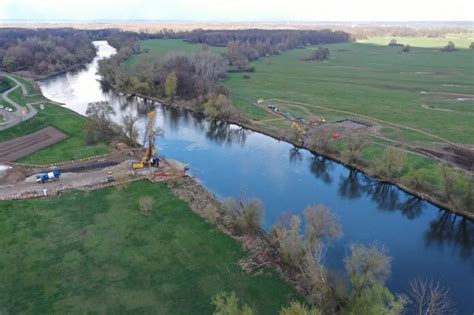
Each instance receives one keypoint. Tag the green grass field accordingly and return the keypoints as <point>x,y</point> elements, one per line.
<point>166,46</point>
<point>418,90</point>
<point>461,41</point>
<point>96,252</point>
<point>74,147</point>
<point>375,81</point>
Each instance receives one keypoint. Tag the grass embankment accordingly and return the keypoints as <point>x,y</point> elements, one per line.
<point>96,252</point>
<point>33,94</point>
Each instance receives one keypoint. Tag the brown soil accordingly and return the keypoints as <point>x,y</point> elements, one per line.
<point>17,148</point>
<point>348,124</point>
<point>461,157</point>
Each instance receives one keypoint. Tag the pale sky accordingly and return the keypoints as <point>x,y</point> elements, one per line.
<point>240,10</point>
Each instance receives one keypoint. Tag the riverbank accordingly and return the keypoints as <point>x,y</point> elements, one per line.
<point>285,136</point>
<point>38,77</point>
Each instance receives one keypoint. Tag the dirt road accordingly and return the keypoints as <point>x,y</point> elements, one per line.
<point>121,172</point>
<point>16,117</point>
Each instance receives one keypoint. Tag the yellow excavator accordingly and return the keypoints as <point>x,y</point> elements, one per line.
<point>295,126</point>
<point>150,159</point>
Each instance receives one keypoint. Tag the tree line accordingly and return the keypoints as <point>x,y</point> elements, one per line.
<point>50,50</point>
<point>193,78</point>
<point>43,52</point>
<point>297,246</point>
<point>247,45</point>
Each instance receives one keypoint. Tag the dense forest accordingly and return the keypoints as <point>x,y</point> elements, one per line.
<point>47,51</point>
<point>44,51</point>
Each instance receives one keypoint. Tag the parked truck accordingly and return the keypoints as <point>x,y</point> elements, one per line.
<point>48,177</point>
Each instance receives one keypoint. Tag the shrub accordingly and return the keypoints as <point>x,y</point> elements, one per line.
<point>146,205</point>
<point>298,308</point>
<point>243,217</point>
<point>228,304</point>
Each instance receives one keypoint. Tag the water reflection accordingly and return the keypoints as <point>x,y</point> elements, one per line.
<point>321,167</point>
<point>295,155</point>
<point>453,230</point>
<point>224,133</point>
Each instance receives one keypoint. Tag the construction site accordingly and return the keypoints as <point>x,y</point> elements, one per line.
<point>21,181</point>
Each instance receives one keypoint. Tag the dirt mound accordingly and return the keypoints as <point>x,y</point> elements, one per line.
<point>461,157</point>
<point>348,124</point>
<point>17,148</point>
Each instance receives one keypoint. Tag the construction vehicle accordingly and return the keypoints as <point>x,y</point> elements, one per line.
<point>48,177</point>
<point>150,158</point>
<point>294,125</point>
<point>110,176</point>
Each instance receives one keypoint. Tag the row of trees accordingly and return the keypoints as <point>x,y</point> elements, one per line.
<point>187,77</point>
<point>456,188</point>
<point>244,46</point>
<point>45,51</point>
<point>300,249</point>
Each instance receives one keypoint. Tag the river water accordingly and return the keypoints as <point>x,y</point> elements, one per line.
<point>229,161</point>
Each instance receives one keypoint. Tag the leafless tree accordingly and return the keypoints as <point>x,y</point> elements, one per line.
<point>243,216</point>
<point>354,146</point>
<point>430,298</point>
<point>146,205</point>
<point>320,224</point>
<point>128,125</point>
<point>367,265</point>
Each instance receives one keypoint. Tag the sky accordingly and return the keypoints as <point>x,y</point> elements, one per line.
<point>239,10</point>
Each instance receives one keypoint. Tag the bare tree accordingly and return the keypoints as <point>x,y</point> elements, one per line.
<point>298,308</point>
<point>391,162</point>
<point>322,140</point>
<point>427,297</point>
<point>100,112</point>
<point>146,205</point>
<point>243,216</point>
<point>449,179</point>
<point>354,146</point>
<point>367,265</point>
<point>128,125</point>
<point>320,224</point>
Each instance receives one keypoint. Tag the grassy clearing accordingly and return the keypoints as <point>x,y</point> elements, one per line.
<point>18,97</point>
<point>460,40</point>
<point>166,46</point>
<point>374,81</point>
<point>96,252</point>
<point>74,147</point>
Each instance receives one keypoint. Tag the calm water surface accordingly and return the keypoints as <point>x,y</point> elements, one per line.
<point>229,161</point>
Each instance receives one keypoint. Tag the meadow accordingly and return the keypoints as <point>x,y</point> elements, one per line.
<point>69,122</point>
<point>89,252</point>
<point>420,89</point>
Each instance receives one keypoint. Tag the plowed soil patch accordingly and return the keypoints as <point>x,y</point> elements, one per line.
<point>17,148</point>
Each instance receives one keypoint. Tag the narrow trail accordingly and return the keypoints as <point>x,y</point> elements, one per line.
<point>16,117</point>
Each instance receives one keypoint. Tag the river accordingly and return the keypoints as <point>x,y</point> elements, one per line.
<point>229,161</point>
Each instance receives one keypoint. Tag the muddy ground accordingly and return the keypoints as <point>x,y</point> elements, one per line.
<point>458,156</point>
